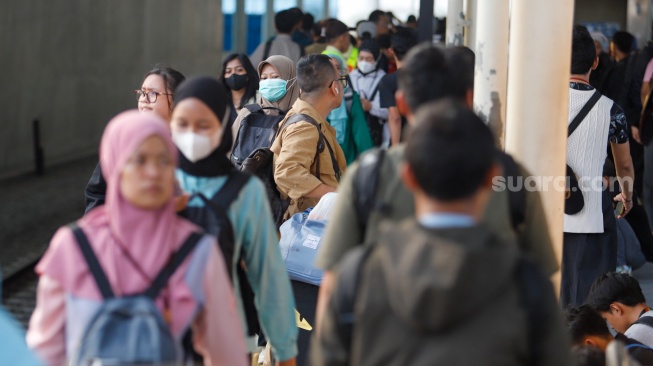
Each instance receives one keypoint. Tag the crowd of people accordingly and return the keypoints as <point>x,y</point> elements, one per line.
<point>177,258</point>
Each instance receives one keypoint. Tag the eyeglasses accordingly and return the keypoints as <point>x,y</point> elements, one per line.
<point>344,80</point>
<point>150,96</point>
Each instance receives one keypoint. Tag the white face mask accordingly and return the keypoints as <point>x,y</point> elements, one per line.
<point>366,67</point>
<point>194,146</point>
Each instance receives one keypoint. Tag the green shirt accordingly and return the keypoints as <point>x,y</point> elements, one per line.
<point>343,231</point>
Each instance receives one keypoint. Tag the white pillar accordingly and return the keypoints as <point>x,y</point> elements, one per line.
<point>268,28</point>
<point>491,69</point>
<point>471,12</point>
<point>538,96</point>
<point>455,23</point>
<point>240,28</point>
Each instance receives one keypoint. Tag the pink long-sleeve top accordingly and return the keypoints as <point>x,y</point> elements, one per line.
<point>198,295</point>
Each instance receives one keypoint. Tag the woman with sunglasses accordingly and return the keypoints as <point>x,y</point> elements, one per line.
<point>154,96</point>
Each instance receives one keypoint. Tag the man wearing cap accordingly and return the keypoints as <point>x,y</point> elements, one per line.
<point>365,80</point>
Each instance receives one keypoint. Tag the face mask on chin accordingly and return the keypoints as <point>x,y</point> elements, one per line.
<point>194,146</point>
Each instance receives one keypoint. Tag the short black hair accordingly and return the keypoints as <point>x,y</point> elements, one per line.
<point>285,21</point>
<point>314,72</point>
<point>376,15</point>
<point>424,76</point>
<point>252,85</point>
<point>171,77</point>
<point>583,321</point>
<point>450,150</point>
<point>587,355</point>
<point>461,63</point>
<point>614,287</point>
<point>402,41</point>
<point>334,29</point>
<point>307,22</point>
<point>624,41</point>
<point>411,19</point>
<point>583,51</point>
<point>384,40</point>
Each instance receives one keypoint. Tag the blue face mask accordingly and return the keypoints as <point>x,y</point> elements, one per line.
<point>272,89</point>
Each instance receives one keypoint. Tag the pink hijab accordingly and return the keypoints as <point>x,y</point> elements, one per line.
<point>118,230</point>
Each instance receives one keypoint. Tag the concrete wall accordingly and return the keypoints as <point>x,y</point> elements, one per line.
<point>73,64</point>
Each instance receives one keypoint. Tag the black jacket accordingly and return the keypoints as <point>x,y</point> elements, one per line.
<point>96,189</point>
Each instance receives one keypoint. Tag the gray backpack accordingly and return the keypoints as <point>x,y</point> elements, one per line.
<point>128,330</point>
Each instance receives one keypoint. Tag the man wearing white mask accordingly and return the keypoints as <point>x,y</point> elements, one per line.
<point>308,161</point>
<point>365,80</point>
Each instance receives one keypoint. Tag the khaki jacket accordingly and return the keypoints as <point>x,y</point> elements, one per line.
<point>295,168</point>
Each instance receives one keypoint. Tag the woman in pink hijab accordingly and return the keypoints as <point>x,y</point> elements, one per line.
<point>134,236</point>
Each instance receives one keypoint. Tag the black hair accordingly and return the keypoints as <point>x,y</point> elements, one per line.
<point>624,41</point>
<point>335,29</point>
<point>252,85</point>
<point>587,355</point>
<point>171,78</point>
<point>285,21</point>
<point>614,287</point>
<point>583,51</point>
<point>314,72</point>
<point>450,150</point>
<point>583,321</point>
<point>425,76</point>
<point>307,22</point>
<point>461,63</point>
<point>384,40</point>
<point>402,41</point>
<point>411,19</point>
<point>376,15</point>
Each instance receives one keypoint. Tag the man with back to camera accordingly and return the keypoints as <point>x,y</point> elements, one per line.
<point>619,299</point>
<point>441,282</point>
<point>285,22</point>
<point>589,241</point>
<point>426,77</point>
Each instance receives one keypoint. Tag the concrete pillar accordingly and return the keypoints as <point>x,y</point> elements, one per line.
<point>240,28</point>
<point>300,4</point>
<point>639,20</point>
<point>538,97</point>
<point>491,69</point>
<point>268,28</point>
<point>471,11</point>
<point>425,26</point>
<point>455,23</point>
<point>327,11</point>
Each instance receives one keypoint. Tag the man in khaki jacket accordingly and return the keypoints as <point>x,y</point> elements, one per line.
<point>303,171</point>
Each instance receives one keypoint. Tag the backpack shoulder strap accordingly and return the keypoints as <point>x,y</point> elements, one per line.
<point>230,190</point>
<point>646,320</point>
<point>583,112</point>
<point>178,258</point>
<point>253,108</point>
<point>351,273</point>
<point>516,198</point>
<point>366,184</point>
<point>376,90</point>
<point>268,45</point>
<point>91,260</point>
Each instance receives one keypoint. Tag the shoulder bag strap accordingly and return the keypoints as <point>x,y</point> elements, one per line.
<point>268,45</point>
<point>583,112</point>
<point>93,264</point>
<point>178,258</point>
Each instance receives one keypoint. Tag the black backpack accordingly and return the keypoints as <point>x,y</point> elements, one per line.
<point>214,220</point>
<point>257,137</point>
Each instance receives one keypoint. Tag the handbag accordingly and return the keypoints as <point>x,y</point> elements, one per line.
<point>574,201</point>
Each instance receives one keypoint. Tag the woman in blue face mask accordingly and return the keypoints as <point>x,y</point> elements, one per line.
<point>278,88</point>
